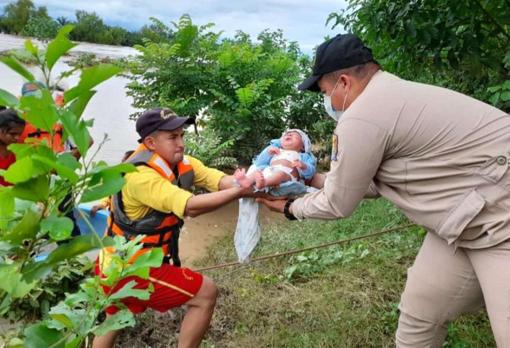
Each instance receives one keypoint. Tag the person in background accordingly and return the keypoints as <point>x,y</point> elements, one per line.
<point>54,140</point>
<point>11,127</point>
<point>36,135</point>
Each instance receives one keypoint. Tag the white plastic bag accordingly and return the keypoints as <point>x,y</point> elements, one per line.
<point>248,229</point>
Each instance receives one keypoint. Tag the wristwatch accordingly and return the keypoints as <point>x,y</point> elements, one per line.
<point>286,209</point>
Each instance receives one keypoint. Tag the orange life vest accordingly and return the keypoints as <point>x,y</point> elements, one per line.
<point>161,229</point>
<point>52,140</point>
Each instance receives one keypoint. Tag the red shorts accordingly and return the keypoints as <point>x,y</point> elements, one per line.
<point>173,287</point>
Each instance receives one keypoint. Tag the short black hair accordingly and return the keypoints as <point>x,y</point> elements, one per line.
<point>127,154</point>
<point>9,118</point>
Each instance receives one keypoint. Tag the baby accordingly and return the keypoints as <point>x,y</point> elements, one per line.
<point>286,159</point>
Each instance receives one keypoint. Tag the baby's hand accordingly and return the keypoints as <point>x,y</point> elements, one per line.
<point>298,164</point>
<point>273,151</point>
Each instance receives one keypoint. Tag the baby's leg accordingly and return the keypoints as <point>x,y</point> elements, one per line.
<point>275,179</point>
<point>243,179</point>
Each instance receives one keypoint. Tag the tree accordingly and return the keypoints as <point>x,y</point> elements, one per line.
<point>16,15</point>
<point>63,20</point>
<point>88,27</point>
<point>241,89</point>
<point>464,45</point>
<point>41,26</point>
<point>156,31</point>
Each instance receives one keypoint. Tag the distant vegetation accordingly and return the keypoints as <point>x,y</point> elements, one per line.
<point>463,45</point>
<point>22,17</point>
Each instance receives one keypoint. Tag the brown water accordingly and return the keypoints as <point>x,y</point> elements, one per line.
<point>110,107</point>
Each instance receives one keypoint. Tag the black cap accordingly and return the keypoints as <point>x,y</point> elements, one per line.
<point>341,52</point>
<point>160,119</point>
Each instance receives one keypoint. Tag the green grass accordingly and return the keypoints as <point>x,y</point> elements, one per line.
<point>341,296</point>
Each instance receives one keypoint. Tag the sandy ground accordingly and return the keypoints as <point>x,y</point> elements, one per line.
<point>203,231</point>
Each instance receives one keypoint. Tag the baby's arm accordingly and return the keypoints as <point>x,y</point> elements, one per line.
<point>309,160</point>
<point>264,158</point>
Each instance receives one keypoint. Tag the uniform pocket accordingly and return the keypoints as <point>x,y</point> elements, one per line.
<point>494,169</point>
<point>460,216</point>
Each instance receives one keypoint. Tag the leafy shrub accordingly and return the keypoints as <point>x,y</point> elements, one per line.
<point>244,89</point>
<point>463,45</point>
<point>30,219</point>
<point>22,56</point>
<point>208,148</point>
<point>41,27</point>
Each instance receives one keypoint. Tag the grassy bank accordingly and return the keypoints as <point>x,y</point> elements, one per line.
<point>342,296</point>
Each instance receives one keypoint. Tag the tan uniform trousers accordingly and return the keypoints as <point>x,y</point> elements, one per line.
<point>444,283</point>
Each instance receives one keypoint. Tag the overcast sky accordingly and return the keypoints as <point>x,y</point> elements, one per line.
<point>303,21</point>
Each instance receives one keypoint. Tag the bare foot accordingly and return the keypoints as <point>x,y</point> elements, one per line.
<point>260,181</point>
<point>243,180</point>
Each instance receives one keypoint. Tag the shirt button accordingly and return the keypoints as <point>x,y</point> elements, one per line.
<point>501,160</point>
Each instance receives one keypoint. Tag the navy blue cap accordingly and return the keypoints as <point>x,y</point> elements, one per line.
<point>160,119</point>
<point>341,52</point>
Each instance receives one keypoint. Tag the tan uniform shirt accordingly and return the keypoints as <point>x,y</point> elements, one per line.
<point>440,156</point>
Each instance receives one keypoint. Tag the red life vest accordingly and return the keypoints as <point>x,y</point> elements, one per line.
<point>161,229</point>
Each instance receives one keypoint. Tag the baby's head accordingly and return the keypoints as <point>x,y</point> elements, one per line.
<point>11,127</point>
<point>295,140</point>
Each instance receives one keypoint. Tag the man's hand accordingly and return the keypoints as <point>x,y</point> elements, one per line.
<point>276,204</point>
<point>95,209</point>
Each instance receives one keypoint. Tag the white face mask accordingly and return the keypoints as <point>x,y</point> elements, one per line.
<point>334,114</point>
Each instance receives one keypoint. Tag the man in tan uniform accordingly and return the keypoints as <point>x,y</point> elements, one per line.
<point>442,158</point>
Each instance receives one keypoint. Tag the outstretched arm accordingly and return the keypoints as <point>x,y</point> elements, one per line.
<point>204,203</point>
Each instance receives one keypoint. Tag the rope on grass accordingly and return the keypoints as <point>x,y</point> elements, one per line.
<point>296,251</point>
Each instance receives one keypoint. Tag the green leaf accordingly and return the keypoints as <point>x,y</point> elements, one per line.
<point>77,129</point>
<point>59,228</point>
<point>15,65</point>
<point>35,190</point>
<point>59,46</point>
<point>27,228</point>
<point>106,181</point>
<point>22,170</point>
<point>39,335</point>
<point>110,184</point>
<point>40,110</point>
<point>6,206</point>
<point>505,96</point>
<point>62,170</point>
<point>76,246</point>
<point>119,320</point>
<point>128,291</point>
<point>12,282</point>
<point>64,316</point>
<point>80,103</point>
<point>7,99</point>
<point>21,150</point>
<point>142,264</point>
<point>68,160</point>
<point>31,48</point>
<point>245,95</point>
<point>91,77</point>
